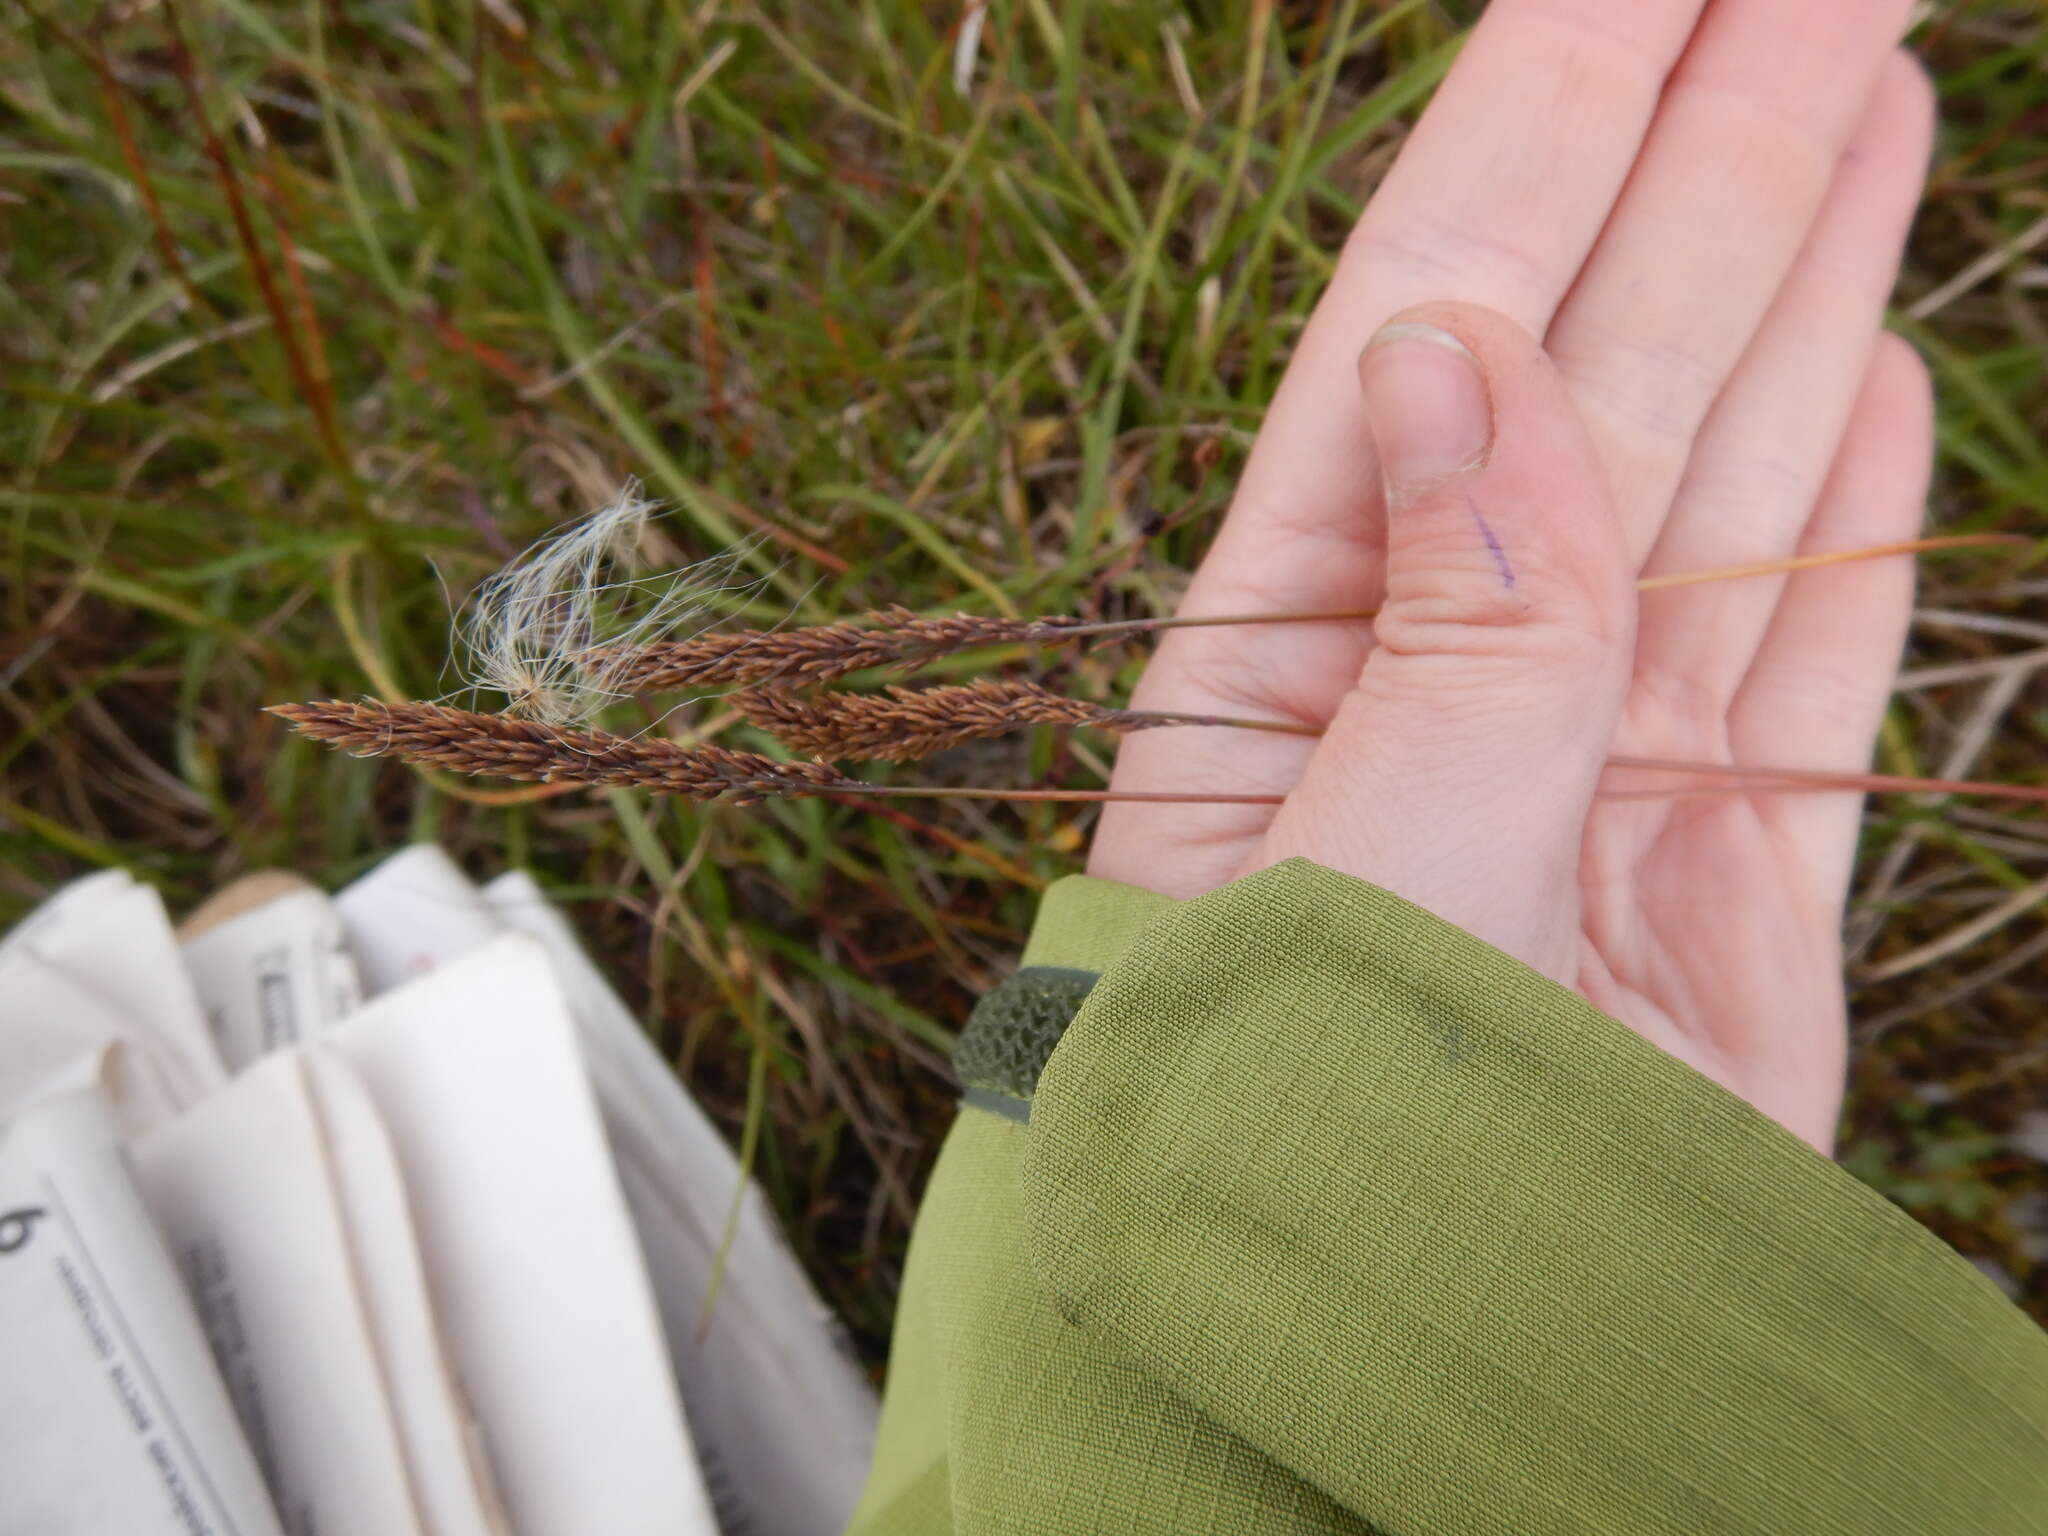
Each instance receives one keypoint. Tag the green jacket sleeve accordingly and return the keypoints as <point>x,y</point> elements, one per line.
<point>1328,1217</point>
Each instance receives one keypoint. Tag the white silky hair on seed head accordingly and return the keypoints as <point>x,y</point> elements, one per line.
<point>527,631</point>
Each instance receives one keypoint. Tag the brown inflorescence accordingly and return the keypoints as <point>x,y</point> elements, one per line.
<point>816,654</point>
<point>463,741</point>
<point>905,724</point>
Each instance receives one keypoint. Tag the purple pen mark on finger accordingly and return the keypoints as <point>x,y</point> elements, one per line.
<point>1500,556</point>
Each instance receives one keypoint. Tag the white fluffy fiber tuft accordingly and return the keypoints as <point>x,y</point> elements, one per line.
<point>528,631</point>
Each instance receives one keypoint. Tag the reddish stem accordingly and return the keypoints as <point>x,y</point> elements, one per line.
<point>1829,778</point>
<point>1754,780</point>
<point>1646,584</point>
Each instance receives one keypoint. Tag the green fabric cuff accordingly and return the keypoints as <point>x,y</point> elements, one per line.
<point>1468,1256</point>
<point>1084,926</point>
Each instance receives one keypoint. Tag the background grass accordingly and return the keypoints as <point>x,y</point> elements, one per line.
<point>313,312</point>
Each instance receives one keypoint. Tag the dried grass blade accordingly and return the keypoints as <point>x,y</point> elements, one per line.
<point>1837,557</point>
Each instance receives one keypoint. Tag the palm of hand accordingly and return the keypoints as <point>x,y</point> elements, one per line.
<point>1700,209</point>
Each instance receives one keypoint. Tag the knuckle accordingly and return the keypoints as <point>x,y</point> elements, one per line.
<point>1482,626</point>
<point>1782,153</point>
<point>1678,704</point>
<point>1749,499</point>
<point>1214,670</point>
<point>1420,254</point>
<point>1830,701</point>
<point>1910,92</point>
<point>1453,588</point>
<point>1640,385</point>
<point>1900,377</point>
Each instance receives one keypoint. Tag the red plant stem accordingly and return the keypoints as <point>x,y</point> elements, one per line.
<point>1646,584</point>
<point>1754,778</point>
<point>1212,621</point>
<point>1815,778</point>
<point>1055,796</point>
<point>320,373</point>
<point>1170,717</point>
<point>1829,778</point>
<point>185,65</point>
<point>145,186</point>
<point>1754,781</point>
<point>1722,789</point>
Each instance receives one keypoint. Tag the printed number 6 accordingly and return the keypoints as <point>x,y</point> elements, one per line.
<point>15,1227</point>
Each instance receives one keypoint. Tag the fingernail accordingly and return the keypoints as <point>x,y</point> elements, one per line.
<point>1427,402</point>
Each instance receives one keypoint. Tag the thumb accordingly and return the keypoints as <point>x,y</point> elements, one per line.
<point>1459,772</point>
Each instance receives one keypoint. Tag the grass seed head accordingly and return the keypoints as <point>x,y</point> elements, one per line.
<point>506,746</point>
<point>905,724</point>
<point>819,653</point>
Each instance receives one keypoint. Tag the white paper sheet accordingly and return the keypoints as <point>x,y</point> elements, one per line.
<point>413,912</point>
<point>112,935</point>
<point>87,891</point>
<point>59,1034</point>
<point>783,1416</point>
<point>530,1256</point>
<point>443,1444</point>
<point>113,1418</point>
<point>243,1191</point>
<point>270,960</point>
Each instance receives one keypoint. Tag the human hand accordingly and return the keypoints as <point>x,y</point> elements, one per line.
<point>1700,211</point>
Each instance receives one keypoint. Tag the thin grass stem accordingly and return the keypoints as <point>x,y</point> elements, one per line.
<point>899,638</point>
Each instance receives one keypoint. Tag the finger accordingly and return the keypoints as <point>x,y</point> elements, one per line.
<point>1823,676</point>
<point>1459,771</point>
<point>1767,447</point>
<point>1498,196</point>
<point>1729,182</point>
<point>1503,187</point>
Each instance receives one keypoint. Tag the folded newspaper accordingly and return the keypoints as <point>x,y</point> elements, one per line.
<point>377,1215</point>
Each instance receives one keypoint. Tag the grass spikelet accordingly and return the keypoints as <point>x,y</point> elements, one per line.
<point>551,631</point>
<point>506,746</point>
<point>464,741</point>
<point>820,653</point>
<point>903,725</point>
